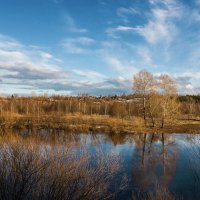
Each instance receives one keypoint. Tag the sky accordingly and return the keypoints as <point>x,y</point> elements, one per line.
<point>70,47</point>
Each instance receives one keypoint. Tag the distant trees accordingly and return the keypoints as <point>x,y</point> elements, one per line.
<point>118,110</point>
<point>155,100</point>
<point>190,106</point>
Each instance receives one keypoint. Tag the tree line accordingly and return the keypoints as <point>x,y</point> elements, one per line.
<point>154,99</point>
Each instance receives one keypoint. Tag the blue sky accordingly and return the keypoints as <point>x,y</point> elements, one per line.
<point>96,46</point>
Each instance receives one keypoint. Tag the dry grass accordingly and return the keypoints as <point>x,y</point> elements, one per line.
<point>97,123</point>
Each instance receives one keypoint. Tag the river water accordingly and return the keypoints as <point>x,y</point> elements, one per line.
<point>149,161</point>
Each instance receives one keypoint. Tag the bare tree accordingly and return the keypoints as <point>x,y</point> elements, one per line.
<point>144,84</point>
<point>153,105</point>
<point>169,105</point>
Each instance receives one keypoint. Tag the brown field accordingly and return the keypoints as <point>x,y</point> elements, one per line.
<point>95,123</point>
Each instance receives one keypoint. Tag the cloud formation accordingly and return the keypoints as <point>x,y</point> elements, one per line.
<point>162,36</point>
<point>72,26</point>
<point>25,68</point>
<point>78,45</point>
<point>160,24</point>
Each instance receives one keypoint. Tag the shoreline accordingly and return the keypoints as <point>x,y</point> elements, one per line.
<point>94,123</point>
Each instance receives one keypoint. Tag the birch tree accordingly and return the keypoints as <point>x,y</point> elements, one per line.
<point>169,105</point>
<point>144,84</point>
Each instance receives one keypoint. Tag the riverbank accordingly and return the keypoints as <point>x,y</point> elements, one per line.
<point>94,123</point>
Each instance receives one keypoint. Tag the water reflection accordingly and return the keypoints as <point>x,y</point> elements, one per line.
<point>154,160</point>
<point>168,160</point>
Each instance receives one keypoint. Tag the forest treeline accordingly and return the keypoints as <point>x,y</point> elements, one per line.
<point>155,100</point>
<point>115,106</point>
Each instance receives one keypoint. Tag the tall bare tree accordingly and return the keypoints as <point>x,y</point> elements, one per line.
<point>153,107</point>
<point>169,105</point>
<point>144,84</point>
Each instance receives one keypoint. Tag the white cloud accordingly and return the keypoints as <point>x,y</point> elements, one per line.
<point>145,55</point>
<point>20,62</point>
<point>197,2</point>
<point>71,25</point>
<point>123,67</point>
<point>78,45</point>
<point>189,87</point>
<point>125,12</point>
<point>7,42</point>
<point>115,63</point>
<point>120,83</point>
<point>160,25</point>
<point>193,74</point>
<point>89,74</point>
<point>46,56</point>
<point>125,58</point>
<point>24,69</point>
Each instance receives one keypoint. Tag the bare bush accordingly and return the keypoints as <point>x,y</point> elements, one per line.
<point>32,171</point>
<point>160,193</point>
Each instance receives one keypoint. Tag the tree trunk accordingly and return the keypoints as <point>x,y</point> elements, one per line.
<point>163,151</point>
<point>143,149</point>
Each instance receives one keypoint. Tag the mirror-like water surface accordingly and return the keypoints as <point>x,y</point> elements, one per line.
<point>169,160</point>
<point>148,161</point>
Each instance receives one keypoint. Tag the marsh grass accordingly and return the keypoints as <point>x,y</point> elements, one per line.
<point>77,123</point>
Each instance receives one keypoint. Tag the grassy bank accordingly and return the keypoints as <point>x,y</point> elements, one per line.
<point>94,123</point>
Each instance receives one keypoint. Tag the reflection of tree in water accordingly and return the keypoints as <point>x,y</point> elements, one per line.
<point>154,160</point>
<point>194,162</point>
<point>117,138</point>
